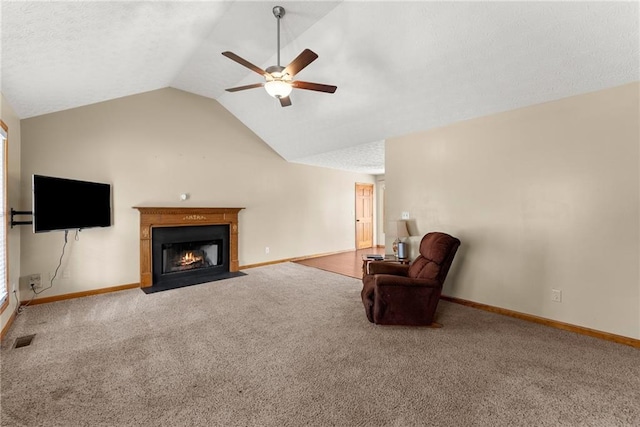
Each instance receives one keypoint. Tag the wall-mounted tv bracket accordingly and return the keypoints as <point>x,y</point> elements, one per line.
<point>14,213</point>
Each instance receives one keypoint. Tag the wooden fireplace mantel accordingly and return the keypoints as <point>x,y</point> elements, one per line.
<point>181,216</point>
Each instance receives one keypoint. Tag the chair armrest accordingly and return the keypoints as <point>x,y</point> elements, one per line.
<point>392,280</point>
<point>381,267</point>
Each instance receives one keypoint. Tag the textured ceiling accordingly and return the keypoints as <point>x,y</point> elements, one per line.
<point>400,67</point>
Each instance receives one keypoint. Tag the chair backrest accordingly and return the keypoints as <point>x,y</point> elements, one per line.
<point>436,255</point>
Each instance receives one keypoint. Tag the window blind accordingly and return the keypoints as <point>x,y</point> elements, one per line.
<point>3,217</point>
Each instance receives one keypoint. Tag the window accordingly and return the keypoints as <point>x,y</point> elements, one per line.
<point>4,294</point>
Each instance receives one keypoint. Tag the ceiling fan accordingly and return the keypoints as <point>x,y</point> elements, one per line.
<point>279,80</point>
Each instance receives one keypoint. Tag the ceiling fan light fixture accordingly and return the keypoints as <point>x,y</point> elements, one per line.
<point>279,80</point>
<point>278,88</point>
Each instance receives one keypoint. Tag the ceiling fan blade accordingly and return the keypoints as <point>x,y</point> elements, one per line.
<point>305,58</point>
<point>236,89</point>
<point>285,102</point>
<point>244,62</point>
<point>314,86</point>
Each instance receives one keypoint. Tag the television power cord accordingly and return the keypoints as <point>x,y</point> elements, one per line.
<point>55,274</point>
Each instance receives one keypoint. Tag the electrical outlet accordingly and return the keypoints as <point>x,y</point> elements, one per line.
<point>405,215</point>
<point>266,250</point>
<point>34,281</point>
<point>556,295</point>
<point>66,274</point>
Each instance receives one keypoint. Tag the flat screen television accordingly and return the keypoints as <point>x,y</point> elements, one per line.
<point>63,204</point>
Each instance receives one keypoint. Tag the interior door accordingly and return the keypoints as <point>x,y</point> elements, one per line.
<point>364,216</point>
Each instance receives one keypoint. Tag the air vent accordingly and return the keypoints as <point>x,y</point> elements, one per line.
<point>24,341</point>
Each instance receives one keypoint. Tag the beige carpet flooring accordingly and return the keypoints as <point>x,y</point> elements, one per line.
<point>289,345</point>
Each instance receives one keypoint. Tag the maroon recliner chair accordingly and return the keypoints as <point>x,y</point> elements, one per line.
<point>395,294</point>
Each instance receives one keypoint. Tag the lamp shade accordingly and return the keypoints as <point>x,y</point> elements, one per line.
<point>398,229</point>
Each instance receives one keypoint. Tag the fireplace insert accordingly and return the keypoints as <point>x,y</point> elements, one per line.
<point>188,255</point>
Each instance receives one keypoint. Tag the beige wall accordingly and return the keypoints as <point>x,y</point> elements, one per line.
<point>13,201</point>
<point>545,197</point>
<point>153,147</point>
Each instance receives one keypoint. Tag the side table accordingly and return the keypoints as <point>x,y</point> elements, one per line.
<point>387,258</point>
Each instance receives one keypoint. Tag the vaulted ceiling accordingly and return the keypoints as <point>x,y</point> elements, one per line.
<point>400,67</point>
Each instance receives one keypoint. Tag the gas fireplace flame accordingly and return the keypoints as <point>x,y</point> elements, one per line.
<point>189,258</point>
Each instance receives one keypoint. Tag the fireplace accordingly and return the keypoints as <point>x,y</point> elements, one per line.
<point>189,255</point>
<point>185,246</point>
